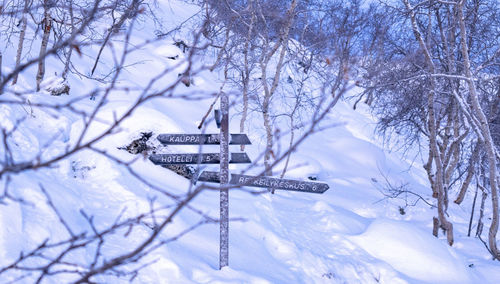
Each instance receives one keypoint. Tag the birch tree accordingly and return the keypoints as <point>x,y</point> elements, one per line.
<point>423,78</point>
<point>46,28</point>
<point>484,130</point>
<point>22,35</point>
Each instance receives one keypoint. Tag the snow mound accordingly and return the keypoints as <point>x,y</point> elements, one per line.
<point>413,252</point>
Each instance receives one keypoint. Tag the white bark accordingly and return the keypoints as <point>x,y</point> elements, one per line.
<point>70,49</point>
<point>67,62</point>
<point>24,23</point>
<point>1,78</point>
<point>269,91</point>
<point>438,186</point>
<point>485,130</point>
<point>47,26</point>
<point>246,75</point>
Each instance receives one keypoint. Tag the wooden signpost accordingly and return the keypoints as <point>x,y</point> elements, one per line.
<point>224,158</point>
<point>205,158</point>
<point>224,182</point>
<point>267,182</point>
<point>203,139</point>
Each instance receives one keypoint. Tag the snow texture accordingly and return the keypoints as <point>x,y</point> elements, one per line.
<point>349,234</point>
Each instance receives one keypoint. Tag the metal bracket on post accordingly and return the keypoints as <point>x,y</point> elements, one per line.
<point>217,117</point>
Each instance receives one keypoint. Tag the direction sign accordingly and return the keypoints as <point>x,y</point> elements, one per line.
<point>267,182</point>
<point>197,139</point>
<point>208,158</point>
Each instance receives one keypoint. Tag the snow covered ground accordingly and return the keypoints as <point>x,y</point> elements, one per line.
<point>349,234</point>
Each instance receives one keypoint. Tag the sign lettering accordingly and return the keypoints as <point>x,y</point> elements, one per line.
<point>203,139</point>
<point>210,158</point>
<point>267,182</point>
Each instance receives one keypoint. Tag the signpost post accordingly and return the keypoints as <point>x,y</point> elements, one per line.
<point>224,182</point>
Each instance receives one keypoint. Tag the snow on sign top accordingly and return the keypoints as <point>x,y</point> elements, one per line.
<point>197,139</point>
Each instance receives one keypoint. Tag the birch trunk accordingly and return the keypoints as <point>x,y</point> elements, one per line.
<point>47,26</point>
<point>470,173</point>
<point>480,224</point>
<point>438,181</point>
<point>22,35</point>
<point>1,76</point>
<point>471,219</point>
<point>246,75</point>
<point>269,92</point>
<point>485,131</point>
<point>70,49</point>
<point>66,64</point>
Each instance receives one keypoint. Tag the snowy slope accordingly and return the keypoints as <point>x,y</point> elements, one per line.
<point>349,234</point>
